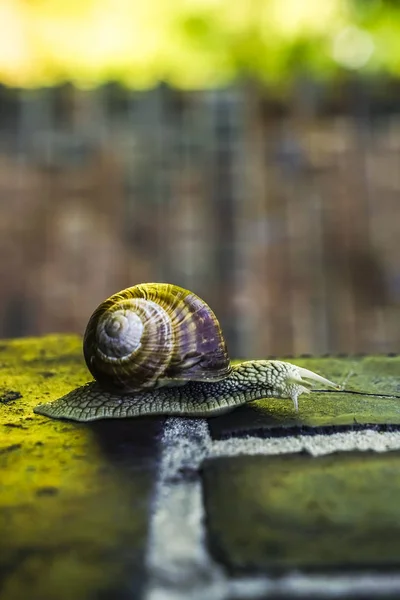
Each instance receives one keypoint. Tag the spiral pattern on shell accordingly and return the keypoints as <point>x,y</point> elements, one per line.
<point>152,335</point>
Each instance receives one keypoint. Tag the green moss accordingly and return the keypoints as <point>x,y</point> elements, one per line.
<point>298,511</point>
<point>25,381</point>
<point>329,409</point>
<point>71,520</point>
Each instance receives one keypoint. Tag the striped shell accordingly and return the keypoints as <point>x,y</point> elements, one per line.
<point>152,335</point>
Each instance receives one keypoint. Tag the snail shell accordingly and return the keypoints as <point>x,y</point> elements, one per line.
<point>152,335</point>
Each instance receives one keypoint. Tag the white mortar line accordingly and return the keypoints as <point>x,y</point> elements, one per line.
<point>296,585</point>
<point>316,445</point>
<point>178,563</point>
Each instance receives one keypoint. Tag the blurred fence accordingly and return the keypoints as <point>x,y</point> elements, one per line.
<point>284,216</point>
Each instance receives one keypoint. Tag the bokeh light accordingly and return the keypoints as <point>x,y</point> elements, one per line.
<point>191,43</point>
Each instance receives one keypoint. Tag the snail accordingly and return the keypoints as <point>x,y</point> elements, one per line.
<point>157,348</point>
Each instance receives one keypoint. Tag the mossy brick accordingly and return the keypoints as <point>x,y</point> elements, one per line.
<point>271,514</point>
<point>74,499</point>
<point>377,376</point>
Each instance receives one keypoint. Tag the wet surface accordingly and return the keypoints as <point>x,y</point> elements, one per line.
<point>378,377</point>
<point>74,499</point>
<point>273,513</point>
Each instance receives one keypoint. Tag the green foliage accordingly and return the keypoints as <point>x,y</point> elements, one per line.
<point>196,43</point>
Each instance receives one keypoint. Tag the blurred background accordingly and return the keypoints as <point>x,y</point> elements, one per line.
<point>248,150</point>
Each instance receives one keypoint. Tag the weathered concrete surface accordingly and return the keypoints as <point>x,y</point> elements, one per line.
<point>181,567</point>
<point>378,377</point>
<point>273,513</point>
<point>74,499</point>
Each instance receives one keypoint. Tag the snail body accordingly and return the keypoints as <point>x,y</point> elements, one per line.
<point>157,349</point>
